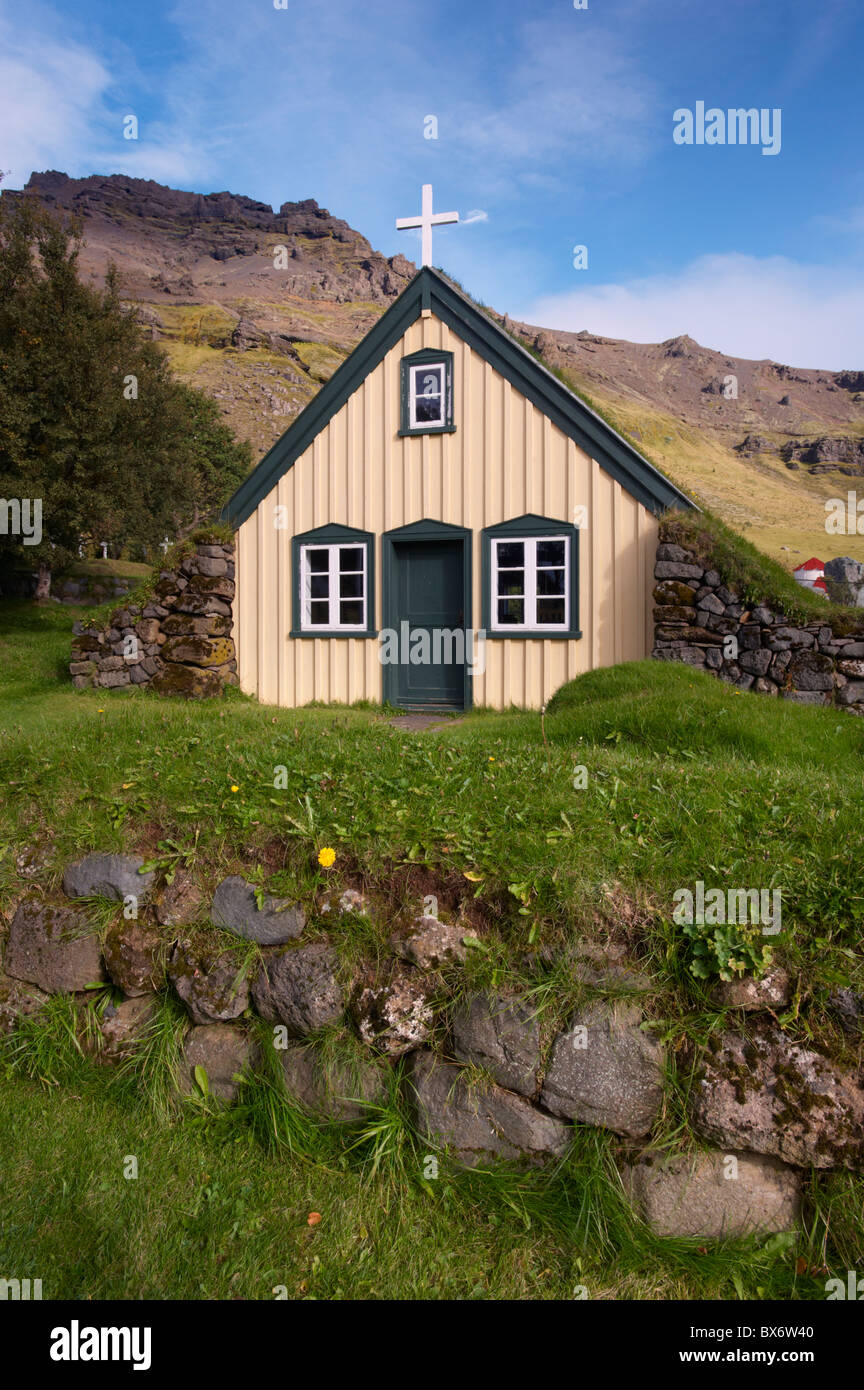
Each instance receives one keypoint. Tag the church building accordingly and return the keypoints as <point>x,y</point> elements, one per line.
<point>445,524</point>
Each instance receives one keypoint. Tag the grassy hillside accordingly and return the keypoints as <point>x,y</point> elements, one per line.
<point>686,779</point>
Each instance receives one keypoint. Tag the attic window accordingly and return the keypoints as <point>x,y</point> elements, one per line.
<point>427,393</point>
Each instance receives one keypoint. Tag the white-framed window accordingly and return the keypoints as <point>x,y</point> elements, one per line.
<point>334,587</point>
<point>530,582</point>
<point>427,394</point>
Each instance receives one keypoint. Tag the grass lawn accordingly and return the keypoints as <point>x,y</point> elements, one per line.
<point>684,779</point>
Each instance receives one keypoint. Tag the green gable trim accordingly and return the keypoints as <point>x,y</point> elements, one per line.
<point>529,525</point>
<point>430,289</point>
<point>332,534</point>
<point>572,416</point>
<point>383,335</point>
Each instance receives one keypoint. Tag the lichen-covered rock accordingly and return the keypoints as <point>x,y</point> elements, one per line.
<point>199,651</point>
<point>275,922</point>
<point>53,947</point>
<point>210,982</point>
<point>299,988</point>
<point>135,957</point>
<point>848,1006</point>
<point>432,944</point>
<point>187,625</point>
<point>395,1017</point>
<point>190,682</point>
<point>124,1027</point>
<point>18,1000</point>
<point>810,671</point>
<point>108,876</point>
<point>180,902</point>
<point>772,1096</point>
<point>713,1196</point>
<point>211,586</point>
<point>605,1070</point>
<point>339,1088</point>
<point>677,569</point>
<point>672,591</point>
<point>501,1035</point>
<point>479,1124</point>
<point>224,1052</point>
<point>769,991</point>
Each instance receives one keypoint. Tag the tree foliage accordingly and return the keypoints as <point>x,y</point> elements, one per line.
<point>91,420</point>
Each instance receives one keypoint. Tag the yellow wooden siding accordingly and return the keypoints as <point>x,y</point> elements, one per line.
<point>505,458</point>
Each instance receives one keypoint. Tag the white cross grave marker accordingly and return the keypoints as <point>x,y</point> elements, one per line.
<point>165,546</point>
<point>427,220</point>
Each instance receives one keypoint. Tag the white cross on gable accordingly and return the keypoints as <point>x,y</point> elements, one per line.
<point>427,220</point>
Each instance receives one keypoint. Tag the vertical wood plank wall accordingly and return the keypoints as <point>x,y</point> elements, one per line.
<point>505,458</point>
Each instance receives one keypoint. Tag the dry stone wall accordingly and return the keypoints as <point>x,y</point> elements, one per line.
<point>483,1075</point>
<point>702,621</point>
<point>178,639</point>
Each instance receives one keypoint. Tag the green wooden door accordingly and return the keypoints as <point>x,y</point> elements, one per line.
<point>428,594</point>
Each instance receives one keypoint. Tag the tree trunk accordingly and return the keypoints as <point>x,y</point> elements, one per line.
<point>43,583</point>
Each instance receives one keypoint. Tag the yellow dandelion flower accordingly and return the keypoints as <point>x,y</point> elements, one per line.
<point>326,857</point>
<point>234,787</point>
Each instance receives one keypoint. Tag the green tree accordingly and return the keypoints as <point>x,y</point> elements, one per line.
<point>91,421</point>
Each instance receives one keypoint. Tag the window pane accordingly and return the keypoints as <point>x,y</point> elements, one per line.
<point>427,381</point>
<point>319,560</point>
<point>350,586</point>
<point>511,610</point>
<point>550,552</point>
<point>511,554</point>
<point>550,610</point>
<point>319,585</point>
<point>550,581</point>
<point>350,558</point>
<point>319,614</point>
<point>427,394</point>
<point>351,612</point>
<point>427,410</point>
<point>511,582</point>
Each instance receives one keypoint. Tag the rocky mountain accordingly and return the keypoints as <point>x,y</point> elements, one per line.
<point>259,308</point>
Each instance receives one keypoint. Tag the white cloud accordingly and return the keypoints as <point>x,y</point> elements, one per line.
<point>475,215</point>
<point>742,305</point>
<point>569,98</point>
<point>60,109</point>
<point>48,93</point>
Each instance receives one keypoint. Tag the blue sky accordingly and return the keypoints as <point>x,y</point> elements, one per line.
<point>555,128</point>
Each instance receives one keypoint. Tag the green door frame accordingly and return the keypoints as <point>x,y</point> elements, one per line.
<point>420,531</point>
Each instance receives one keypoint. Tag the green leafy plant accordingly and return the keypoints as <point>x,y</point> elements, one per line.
<point>726,949</point>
